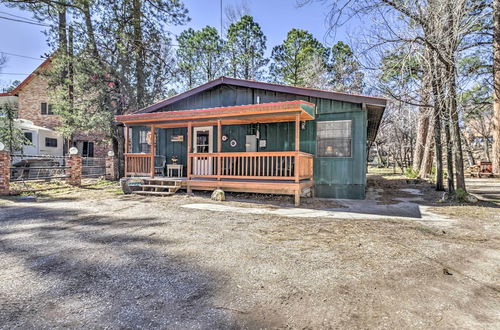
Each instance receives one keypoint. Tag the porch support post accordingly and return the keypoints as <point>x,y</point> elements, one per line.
<point>125,148</point>
<point>297,159</point>
<point>153,151</point>
<point>297,147</point>
<point>189,132</point>
<point>219,149</point>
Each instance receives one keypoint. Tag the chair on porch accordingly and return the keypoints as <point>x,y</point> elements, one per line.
<point>160,162</point>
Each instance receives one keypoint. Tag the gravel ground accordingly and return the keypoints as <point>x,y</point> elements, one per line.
<point>91,258</point>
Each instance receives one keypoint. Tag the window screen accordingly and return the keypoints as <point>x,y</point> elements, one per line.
<point>50,142</point>
<point>334,138</point>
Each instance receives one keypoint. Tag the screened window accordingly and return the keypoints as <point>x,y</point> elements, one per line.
<point>46,109</point>
<point>49,142</point>
<point>143,141</point>
<point>334,138</point>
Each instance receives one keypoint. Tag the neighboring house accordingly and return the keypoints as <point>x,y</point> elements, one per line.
<point>250,136</point>
<point>34,105</point>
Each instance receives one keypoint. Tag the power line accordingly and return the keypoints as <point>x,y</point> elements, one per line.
<point>23,21</point>
<point>24,56</point>
<point>21,17</point>
<point>15,73</point>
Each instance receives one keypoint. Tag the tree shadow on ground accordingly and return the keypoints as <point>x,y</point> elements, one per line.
<point>68,268</point>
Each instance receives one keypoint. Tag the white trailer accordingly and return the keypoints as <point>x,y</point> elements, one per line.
<point>44,144</point>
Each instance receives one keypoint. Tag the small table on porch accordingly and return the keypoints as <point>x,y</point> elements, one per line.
<point>172,167</point>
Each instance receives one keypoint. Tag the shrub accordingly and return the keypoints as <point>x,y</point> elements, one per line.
<point>410,173</point>
<point>460,195</point>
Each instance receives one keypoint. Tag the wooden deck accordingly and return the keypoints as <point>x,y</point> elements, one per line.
<point>283,172</point>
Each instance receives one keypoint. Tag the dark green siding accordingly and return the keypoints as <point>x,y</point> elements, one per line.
<point>334,177</point>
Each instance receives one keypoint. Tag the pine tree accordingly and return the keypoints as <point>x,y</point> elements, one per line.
<point>290,60</point>
<point>246,44</point>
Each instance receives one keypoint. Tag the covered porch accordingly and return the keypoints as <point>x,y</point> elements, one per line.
<point>205,166</point>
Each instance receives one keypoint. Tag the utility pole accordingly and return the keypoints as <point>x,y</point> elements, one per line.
<point>221,19</point>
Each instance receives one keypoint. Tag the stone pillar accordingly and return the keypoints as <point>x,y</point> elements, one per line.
<point>111,168</point>
<point>75,170</point>
<point>4,172</point>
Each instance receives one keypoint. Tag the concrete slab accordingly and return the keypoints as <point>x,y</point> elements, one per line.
<point>367,211</point>
<point>487,189</point>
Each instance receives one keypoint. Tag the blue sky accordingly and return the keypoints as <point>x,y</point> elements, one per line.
<point>276,18</point>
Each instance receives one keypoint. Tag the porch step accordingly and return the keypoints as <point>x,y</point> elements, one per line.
<point>162,180</point>
<point>154,193</point>
<point>157,186</point>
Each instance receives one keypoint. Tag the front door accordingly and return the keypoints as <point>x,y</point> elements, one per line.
<point>203,144</point>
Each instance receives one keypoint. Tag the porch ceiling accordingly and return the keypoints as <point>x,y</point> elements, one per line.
<point>243,114</point>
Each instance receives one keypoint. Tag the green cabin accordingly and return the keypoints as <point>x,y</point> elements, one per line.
<point>242,135</point>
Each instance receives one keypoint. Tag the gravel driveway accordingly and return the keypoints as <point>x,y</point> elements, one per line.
<point>94,259</point>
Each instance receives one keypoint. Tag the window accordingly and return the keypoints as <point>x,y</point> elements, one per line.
<point>46,109</point>
<point>334,138</point>
<point>143,141</point>
<point>29,137</point>
<point>88,149</point>
<point>49,142</point>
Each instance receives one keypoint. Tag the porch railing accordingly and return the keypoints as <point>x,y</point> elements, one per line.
<point>137,164</point>
<point>280,165</point>
<point>287,165</point>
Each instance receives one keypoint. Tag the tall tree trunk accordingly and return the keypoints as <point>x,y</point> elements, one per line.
<point>90,30</point>
<point>455,130</point>
<point>468,150</point>
<point>437,123</point>
<point>449,156</point>
<point>139,53</point>
<point>486,147</point>
<point>428,155</point>
<point>380,160</point>
<point>71,77</point>
<point>422,126</point>
<point>61,30</point>
<point>496,86</point>
<point>451,81</point>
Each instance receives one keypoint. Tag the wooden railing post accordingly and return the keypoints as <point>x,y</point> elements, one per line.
<point>125,148</point>
<point>297,148</point>
<point>153,150</point>
<point>219,148</point>
<point>189,132</point>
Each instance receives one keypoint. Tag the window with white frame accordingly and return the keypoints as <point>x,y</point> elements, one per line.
<point>334,138</point>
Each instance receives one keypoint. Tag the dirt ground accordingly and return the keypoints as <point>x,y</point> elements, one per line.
<point>94,258</point>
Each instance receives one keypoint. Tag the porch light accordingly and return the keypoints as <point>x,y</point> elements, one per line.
<point>73,151</point>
